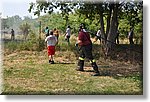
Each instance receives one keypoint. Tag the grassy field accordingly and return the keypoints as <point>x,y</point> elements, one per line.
<point>28,72</point>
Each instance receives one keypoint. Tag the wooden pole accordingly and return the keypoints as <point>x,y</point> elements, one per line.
<point>39,35</point>
<point>40,30</point>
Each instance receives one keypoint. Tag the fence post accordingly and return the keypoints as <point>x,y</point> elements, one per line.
<point>40,30</point>
<point>39,35</point>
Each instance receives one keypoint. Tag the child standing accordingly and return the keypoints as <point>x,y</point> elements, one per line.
<point>51,42</point>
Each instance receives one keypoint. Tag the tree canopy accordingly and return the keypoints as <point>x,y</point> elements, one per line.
<point>107,15</point>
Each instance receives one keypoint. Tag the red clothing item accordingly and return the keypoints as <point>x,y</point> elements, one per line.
<point>51,50</point>
<point>84,37</point>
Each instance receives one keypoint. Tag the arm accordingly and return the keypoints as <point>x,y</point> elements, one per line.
<point>129,35</point>
<point>97,32</point>
<point>79,41</point>
<point>80,38</point>
<point>66,32</point>
<point>46,39</point>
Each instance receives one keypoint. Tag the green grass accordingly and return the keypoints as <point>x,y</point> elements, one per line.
<point>29,73</point>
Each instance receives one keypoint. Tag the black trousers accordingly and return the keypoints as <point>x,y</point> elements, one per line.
<point>86,52</point>
<point>131,40</point>
<point>67,38</point>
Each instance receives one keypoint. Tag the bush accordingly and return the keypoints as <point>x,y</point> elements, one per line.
<point>11,46</point>
<point>63,44</point>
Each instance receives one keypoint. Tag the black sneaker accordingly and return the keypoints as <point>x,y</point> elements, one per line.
<point>52,62</point>
<point>96,74</point>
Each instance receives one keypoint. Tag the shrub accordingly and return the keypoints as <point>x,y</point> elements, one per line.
<point>11,46</point>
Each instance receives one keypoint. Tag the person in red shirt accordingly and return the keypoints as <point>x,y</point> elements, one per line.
<point>85,44</point>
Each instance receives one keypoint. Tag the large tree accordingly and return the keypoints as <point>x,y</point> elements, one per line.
<point>112,11</point>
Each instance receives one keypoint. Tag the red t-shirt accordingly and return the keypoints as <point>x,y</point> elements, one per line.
<point>85,38</point>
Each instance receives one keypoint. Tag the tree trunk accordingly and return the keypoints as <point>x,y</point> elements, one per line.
<point>103,36</point>
<point>112,31</point>
<point>66,19</point>
<point>108,20</point>
<point>102,22</point>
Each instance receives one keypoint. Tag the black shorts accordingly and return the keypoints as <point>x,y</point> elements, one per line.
<point>67,37</point>
<point>86,51</point>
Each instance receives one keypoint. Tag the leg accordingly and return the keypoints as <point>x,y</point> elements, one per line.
<point>52,54</point>
<point>52,60</point>
<point>49,50</point>
<point>68,41</point>
<point>94,65</point>
<point>11,37</point>
<point>132,41</point>
<point>117,40</point>
<point>81,61</point>
<point>51,57</point>
<point>99,38</point>
<point>68,37</point>
<point>88,54</point>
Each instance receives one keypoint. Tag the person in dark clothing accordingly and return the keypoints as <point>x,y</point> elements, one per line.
<point>130,36</point>
<point>12,34</point>
<point>117,37</point>
<point>85,45</point>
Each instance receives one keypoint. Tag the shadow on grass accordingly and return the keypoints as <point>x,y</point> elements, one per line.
<point>63,63</point>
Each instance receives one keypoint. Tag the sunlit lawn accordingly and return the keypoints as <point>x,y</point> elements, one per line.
<point>28,72</point>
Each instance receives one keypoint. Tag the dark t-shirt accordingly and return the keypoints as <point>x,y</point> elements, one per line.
<point>85,38</point>
<point>131,34</point>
